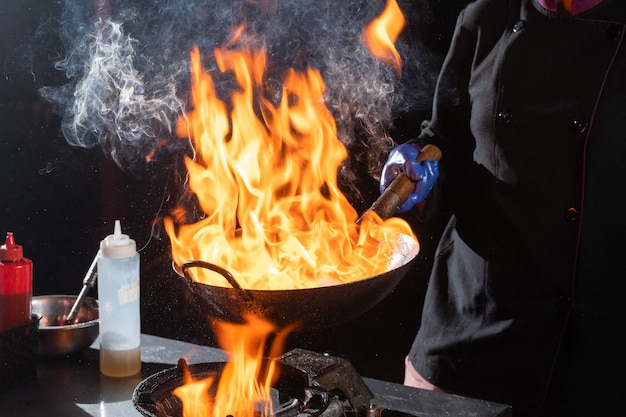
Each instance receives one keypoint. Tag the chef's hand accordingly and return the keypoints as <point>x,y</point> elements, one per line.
<point>403,159</point>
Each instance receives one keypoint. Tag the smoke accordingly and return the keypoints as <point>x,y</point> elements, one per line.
<point>127,70</point>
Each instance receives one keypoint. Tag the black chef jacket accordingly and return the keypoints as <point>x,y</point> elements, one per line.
<point>526,303</point>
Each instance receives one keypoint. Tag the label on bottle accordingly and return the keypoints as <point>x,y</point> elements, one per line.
<point>128,293</point>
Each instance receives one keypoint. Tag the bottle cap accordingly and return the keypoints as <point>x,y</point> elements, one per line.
<point>10,251</point>
<point>118,245</point>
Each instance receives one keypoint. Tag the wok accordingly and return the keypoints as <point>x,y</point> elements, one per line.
<point>320,307</point>
<point>308,308</point>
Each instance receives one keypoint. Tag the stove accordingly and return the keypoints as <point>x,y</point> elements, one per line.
<point>312,384</point>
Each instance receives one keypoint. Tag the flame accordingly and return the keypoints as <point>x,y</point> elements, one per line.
<point>159,144</point>
<point>265,174</point>
<point>243,388</point>
<point>381,34</point>
<point>264,171</point>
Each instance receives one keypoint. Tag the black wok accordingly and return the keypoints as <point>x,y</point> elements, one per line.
<point>315,308</point>
<point>309,308</point>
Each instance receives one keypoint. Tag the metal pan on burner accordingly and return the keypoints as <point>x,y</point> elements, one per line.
<point>319,307</point>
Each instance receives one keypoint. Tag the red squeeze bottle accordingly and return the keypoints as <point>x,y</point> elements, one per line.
<point>16,285</point>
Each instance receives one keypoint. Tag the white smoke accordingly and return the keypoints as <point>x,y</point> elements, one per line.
<point>128,77</point>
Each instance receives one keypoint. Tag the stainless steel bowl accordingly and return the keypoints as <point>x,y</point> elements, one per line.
<point>56,338</point>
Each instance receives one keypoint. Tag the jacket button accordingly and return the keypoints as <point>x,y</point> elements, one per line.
<point>519,25</point>
<point>572,214</point>
<point>614,31</point>
<point>504,118</point>
<point>580,126</point>
<point>563,303</point>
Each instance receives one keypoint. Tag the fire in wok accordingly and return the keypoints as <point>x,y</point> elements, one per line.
<point>278,236</point>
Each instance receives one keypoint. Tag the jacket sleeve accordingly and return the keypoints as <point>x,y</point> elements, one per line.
<point>448,128</point>
<point>450,125</point>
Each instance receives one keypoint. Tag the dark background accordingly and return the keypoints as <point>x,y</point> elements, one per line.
<point>60,201</point>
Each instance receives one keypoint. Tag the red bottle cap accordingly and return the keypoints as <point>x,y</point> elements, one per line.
<point>10,251</point>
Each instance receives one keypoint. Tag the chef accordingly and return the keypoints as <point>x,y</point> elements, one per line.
<point>526,301</point>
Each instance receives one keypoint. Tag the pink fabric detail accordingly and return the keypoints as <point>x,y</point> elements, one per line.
<point>578,6</point>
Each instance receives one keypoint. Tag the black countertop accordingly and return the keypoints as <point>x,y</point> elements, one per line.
<point>72,386</point>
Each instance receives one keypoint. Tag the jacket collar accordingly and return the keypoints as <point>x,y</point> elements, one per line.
<point>578,6</point>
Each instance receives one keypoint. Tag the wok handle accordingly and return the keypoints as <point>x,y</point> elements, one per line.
<point>397,192</point>
<point>241,293</point>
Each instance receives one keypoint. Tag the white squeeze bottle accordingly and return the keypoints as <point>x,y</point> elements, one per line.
<point>118,300</point>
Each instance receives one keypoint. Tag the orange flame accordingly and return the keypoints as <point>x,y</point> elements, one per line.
<point>159,144</point>
<point>265,174</point>
<point>381,34</point>
<point>245,382</point>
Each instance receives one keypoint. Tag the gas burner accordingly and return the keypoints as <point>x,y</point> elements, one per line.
<point>310,385</point>
<point>318,385</point>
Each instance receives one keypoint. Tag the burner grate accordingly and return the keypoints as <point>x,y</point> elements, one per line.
<point>318,385</point>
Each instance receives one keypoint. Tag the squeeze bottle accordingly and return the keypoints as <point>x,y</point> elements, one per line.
<point>118,301</point>
<point>16,285</point>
